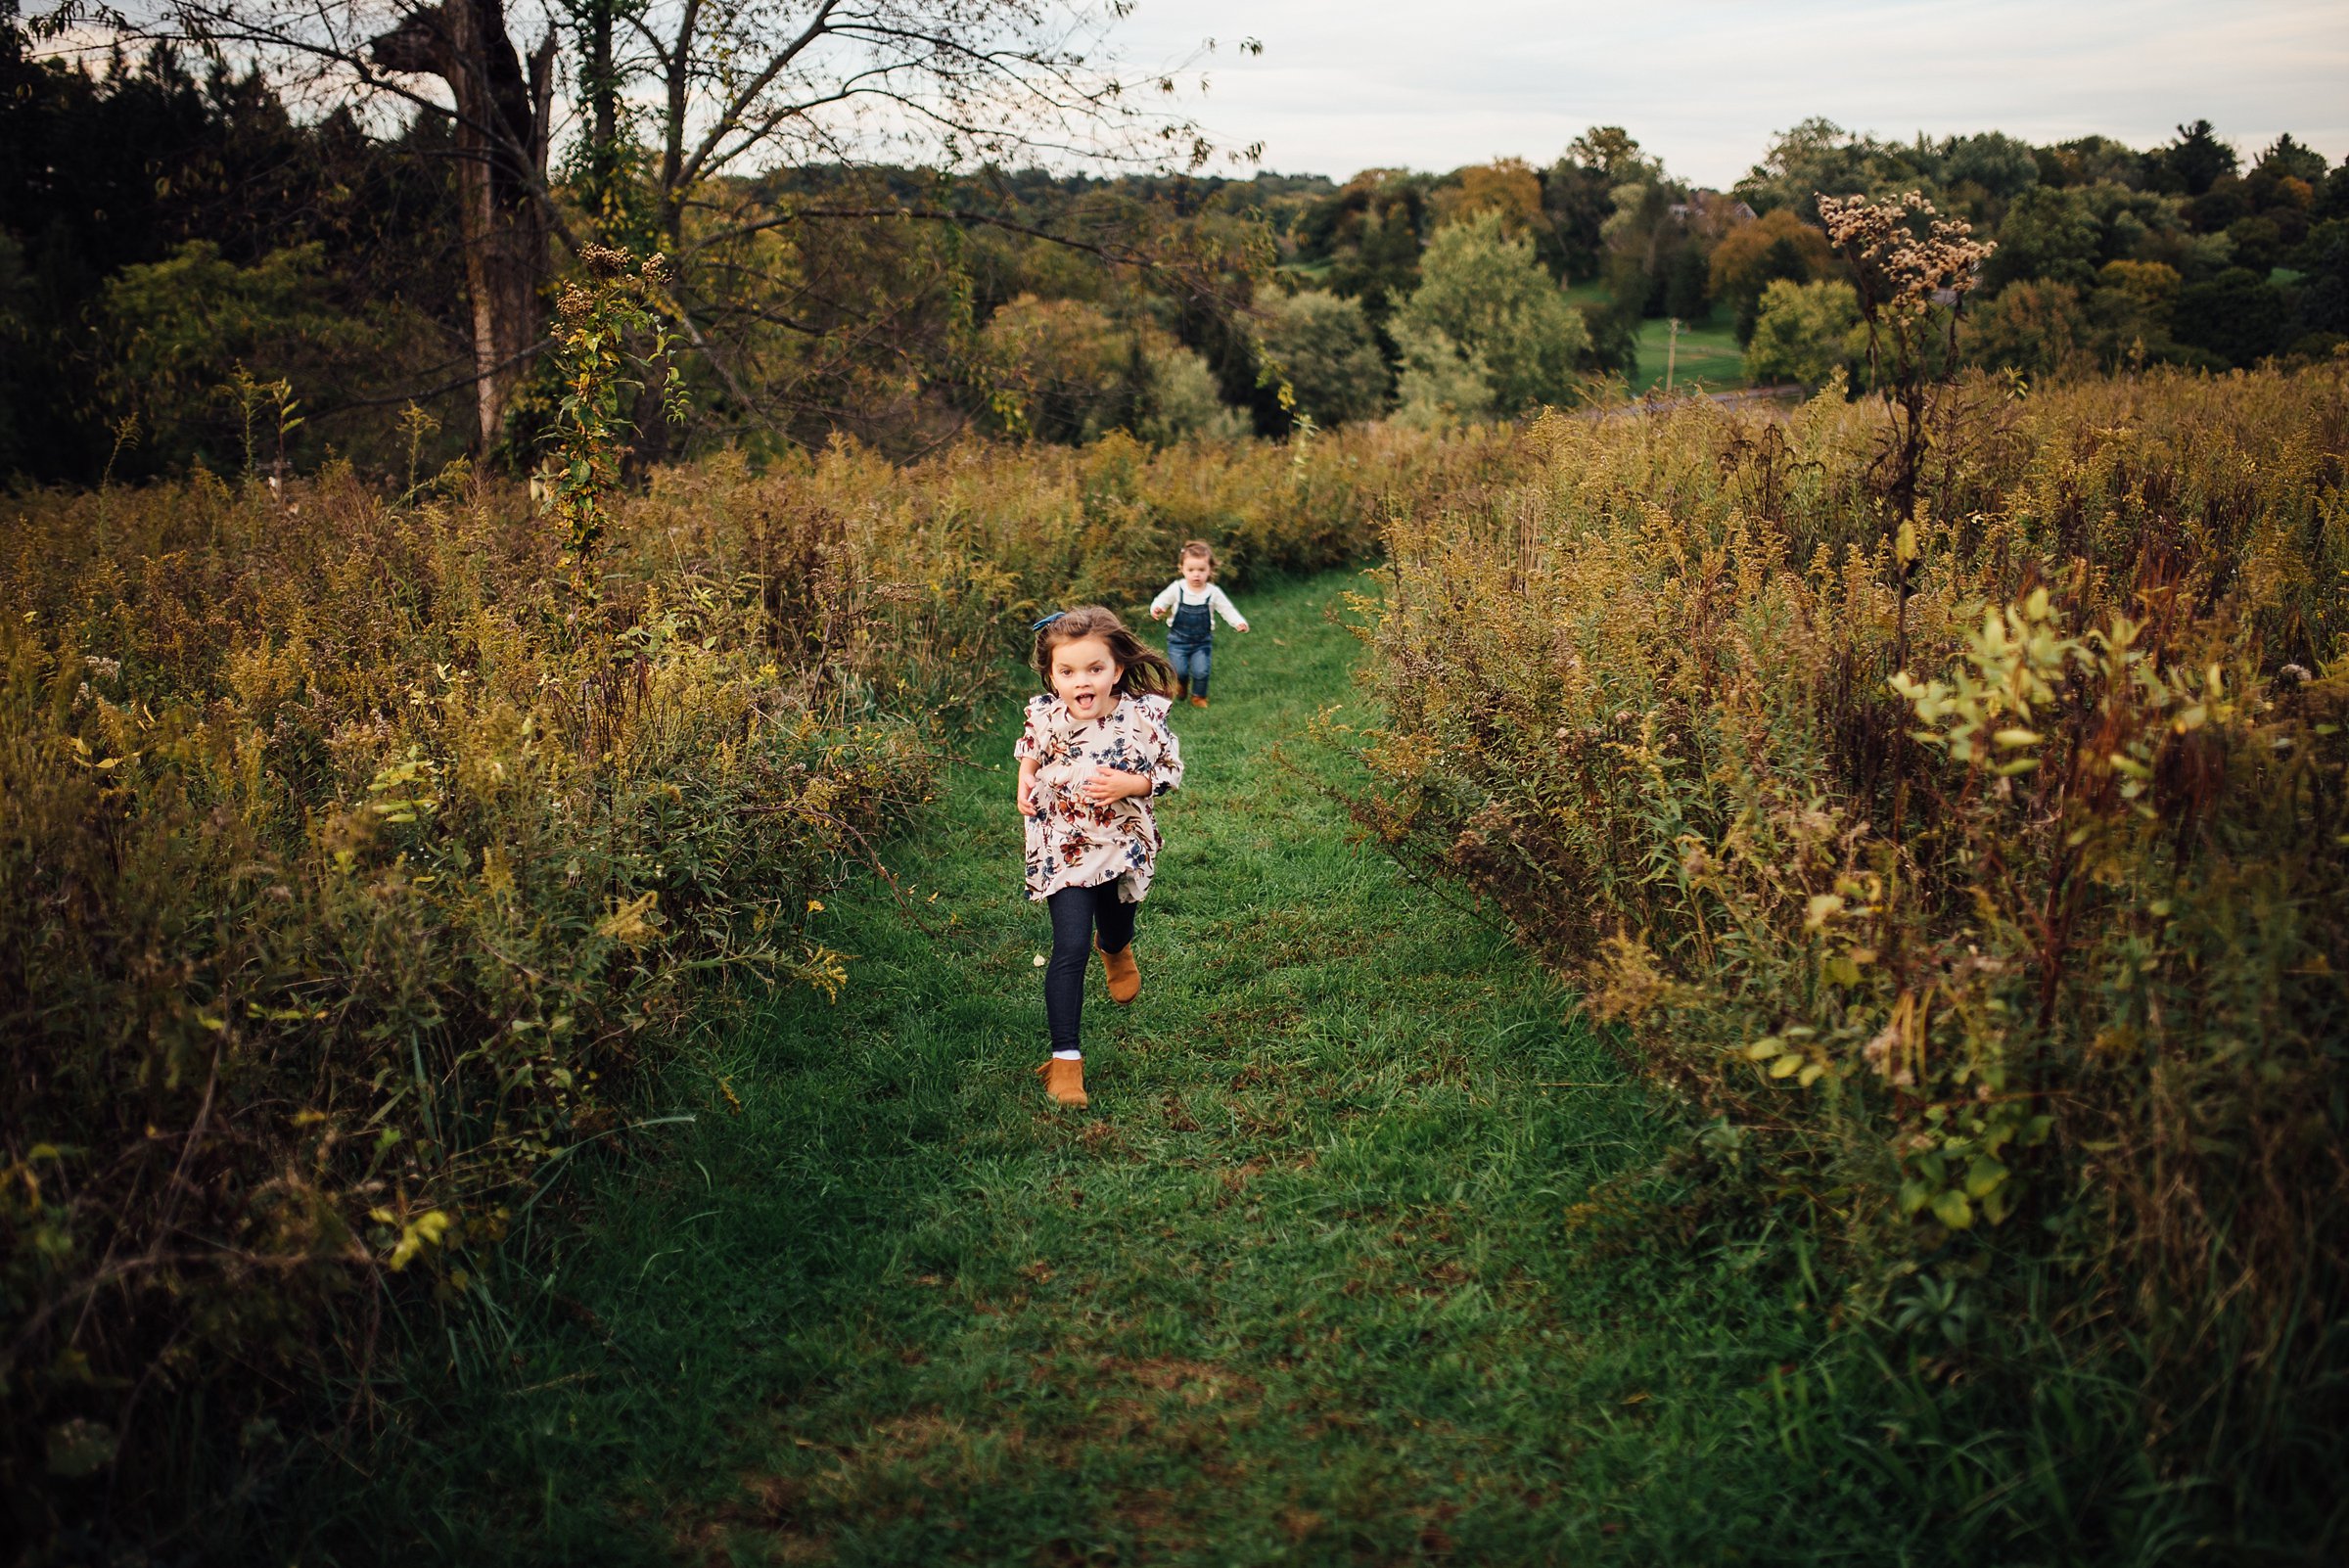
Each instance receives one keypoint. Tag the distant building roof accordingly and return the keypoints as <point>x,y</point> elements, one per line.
<point>1715,206</point>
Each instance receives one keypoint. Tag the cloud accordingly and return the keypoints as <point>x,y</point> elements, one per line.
<point>1706,82</point>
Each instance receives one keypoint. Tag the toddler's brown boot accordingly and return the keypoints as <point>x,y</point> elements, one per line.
<point>1064,1081</point>
<point>1198,701</point>
<point>1124,975</point>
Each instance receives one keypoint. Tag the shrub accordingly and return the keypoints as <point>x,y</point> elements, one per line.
<point>183,337</point>
<point>350,891</point>
<point>367,857</point>
<point>1180,400</point>
<point>1750,258</point>
<point>1322,344</point>
<point>1803,332</point>
<point>2239,316</point>
<point>1485,316</point>
<point>2015,959</point>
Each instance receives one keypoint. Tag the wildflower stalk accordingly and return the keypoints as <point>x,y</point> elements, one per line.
<point>1910,288</point>
<point>597,323</point>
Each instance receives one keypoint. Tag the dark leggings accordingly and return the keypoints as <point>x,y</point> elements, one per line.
<point>1077,913</point>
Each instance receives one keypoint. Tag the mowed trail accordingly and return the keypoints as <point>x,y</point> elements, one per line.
<point>1328,1271</point>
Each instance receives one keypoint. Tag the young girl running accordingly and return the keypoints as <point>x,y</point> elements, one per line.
<point>1093,755</point>
<point>1191,634</point>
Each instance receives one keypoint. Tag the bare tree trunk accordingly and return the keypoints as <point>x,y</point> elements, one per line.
<point>605,87</point>
<point>502,119</point>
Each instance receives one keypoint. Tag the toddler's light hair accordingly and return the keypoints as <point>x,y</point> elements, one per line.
<point>1199,548</point>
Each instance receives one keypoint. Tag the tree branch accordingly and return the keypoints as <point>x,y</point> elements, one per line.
<point>817,26</point>
<point>927,214</point>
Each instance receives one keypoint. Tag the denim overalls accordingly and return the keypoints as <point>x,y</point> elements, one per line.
<point>1191,644</point>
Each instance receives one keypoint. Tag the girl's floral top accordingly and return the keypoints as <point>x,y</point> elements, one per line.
<point>1071,843</point>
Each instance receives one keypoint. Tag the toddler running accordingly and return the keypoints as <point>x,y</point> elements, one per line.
<point>1096,750</point>
<point>1191,634</point>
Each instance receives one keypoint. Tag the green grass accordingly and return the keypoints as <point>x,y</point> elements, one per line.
<point>1708,357</point>
<point>1322,1276</point>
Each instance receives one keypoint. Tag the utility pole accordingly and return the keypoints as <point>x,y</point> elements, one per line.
<point>1672,352</point>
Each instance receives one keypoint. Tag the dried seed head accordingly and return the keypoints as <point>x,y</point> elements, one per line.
<point>604,262</point>
<point>1903,271</point>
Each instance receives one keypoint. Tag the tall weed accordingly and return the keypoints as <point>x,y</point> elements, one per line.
<point>364,857</point>
<point>2015,963</point>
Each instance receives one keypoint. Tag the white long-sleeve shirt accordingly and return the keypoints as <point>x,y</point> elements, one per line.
<point>1215,598</point>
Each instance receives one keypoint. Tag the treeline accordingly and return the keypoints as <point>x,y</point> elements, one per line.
<point>193,275</point>
<point>161,228</point>
<point>1503,287</point>
<point>2105,256</point>
<point>190,275</point>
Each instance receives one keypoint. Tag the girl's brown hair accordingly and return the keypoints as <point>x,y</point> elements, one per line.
<point>1142,672</point>
<point>1198,548</point>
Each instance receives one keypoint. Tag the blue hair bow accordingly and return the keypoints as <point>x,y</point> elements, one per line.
<point>1047,621</point>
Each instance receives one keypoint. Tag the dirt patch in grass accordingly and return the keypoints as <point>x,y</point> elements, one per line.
<point>768,1517</point>
<point>927,1464</point>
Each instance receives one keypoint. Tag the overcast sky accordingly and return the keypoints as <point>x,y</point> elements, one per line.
<point>1433,84</point>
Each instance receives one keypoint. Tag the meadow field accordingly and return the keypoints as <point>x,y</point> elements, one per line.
<point>1707,358</point>
<point>1753,975</point>
<point>1687,1013</point>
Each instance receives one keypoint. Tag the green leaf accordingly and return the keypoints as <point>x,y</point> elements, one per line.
<point>1983,1177</point>
<point>1952,1209</point>
<point>80,1447</point>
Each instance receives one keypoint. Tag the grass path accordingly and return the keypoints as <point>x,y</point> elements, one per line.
<point>1307,1283</point>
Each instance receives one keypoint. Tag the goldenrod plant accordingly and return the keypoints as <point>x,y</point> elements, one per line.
<point>365,868</point>
<point>1978,885</point>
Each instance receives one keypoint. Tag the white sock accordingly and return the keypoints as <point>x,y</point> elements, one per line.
<point>1068,1056</point>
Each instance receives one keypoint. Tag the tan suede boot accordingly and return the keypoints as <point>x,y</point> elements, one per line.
<point>1198,701</point>
<point>1124,975</point>
<point>1064,1082</point>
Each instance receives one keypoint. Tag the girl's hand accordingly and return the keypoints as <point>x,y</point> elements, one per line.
<point>1243,625</point>
<point>1156,614</point>
<point>1026,796</point>
<point>1107,784</point>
